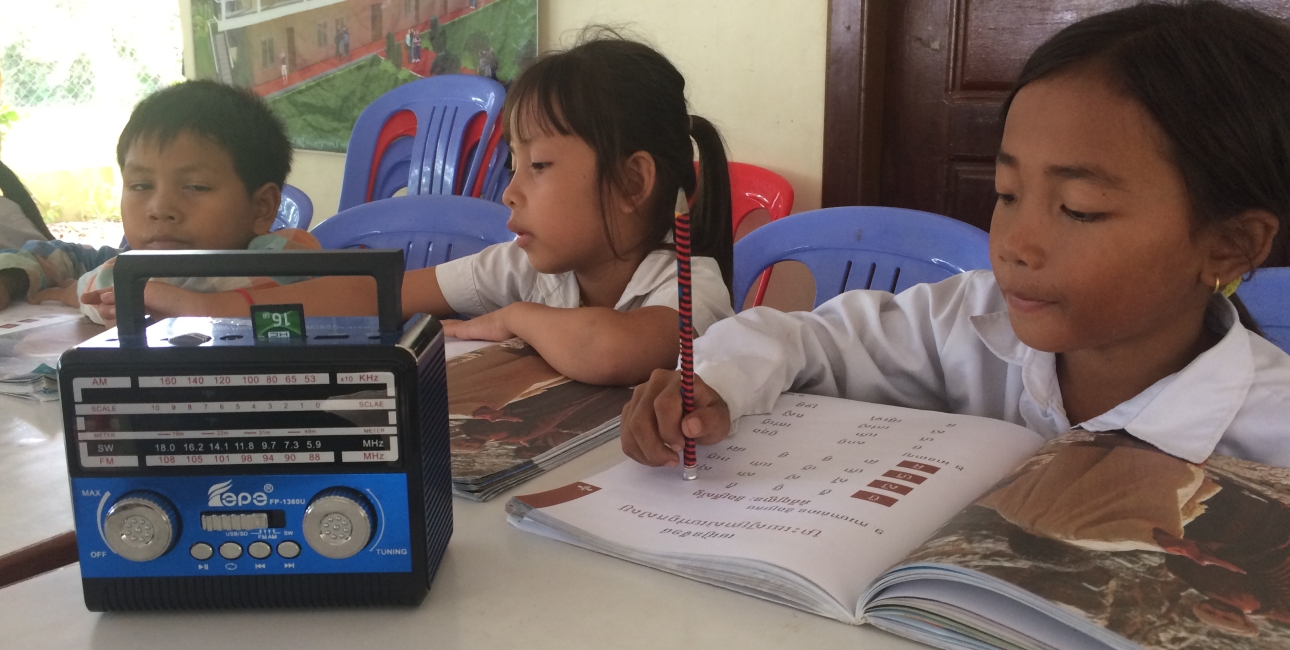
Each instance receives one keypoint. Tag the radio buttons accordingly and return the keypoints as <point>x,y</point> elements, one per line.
<point>201,551</point>
<point>338,523</point>
<point>140,526</point>
<point>288,550</point>
<point>259,550</point>
<point>230,550</point>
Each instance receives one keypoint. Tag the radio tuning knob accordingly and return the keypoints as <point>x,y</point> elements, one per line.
<point>338,523</point>
<point>141,526</point>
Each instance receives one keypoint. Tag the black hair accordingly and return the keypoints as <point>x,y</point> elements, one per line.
<point>1216,80</point>
<point>621,97</point>
<point>15,191</point>
<point>234,119</point>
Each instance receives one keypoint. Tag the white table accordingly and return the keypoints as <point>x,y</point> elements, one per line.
<point>35,497</point>
<point>497,588</point>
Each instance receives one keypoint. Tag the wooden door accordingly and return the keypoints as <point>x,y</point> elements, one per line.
<point>378,24</point>
<point>291,49</point>
<point>913,95</point>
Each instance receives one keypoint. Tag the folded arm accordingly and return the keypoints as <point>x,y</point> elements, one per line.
<point>596,345</point>
<point>330,296</point>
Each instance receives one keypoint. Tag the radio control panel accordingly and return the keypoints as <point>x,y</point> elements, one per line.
<point>261,524</point>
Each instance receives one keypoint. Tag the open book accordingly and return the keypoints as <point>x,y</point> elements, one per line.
<point>31,339</point>
<point>884,515</point>
<point>512,417</point>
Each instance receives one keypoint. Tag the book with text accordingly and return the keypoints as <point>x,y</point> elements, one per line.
<point>512,417</point>
<point>957,531</point>
<point>31,339</point>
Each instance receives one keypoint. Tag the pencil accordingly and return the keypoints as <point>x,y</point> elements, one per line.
<point>689,467</point>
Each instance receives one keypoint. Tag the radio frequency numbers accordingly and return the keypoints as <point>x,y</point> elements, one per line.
<point>192,381</point>
<point>166,460</point>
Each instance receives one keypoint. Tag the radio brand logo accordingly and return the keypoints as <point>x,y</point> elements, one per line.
<point>220,495</point>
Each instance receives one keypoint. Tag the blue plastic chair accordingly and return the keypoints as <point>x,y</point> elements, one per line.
<point>498,176</point>
<point>1267,296</point>
<point>414,135</point>
<point>862,247</point>
<point>430,228</point>
<point>295,210</point>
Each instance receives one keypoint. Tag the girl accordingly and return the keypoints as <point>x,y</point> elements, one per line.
<point>601,142</point>
<point>1143,169</point>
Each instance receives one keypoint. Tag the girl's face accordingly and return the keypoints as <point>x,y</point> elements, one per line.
<point>1091,240</point>
<point>555,206</point>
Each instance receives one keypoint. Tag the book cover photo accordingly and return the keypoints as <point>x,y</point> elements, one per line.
<point>1161,552</point>
<point>510,411</point>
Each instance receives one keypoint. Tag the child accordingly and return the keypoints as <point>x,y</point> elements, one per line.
<point>1144,167</point>
<point>600,137</point>
<point>202,167</point>
<point>20,219</point>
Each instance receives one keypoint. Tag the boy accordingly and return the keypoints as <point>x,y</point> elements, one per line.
<point>202,167</point>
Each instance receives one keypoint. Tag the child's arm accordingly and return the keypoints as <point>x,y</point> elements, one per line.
<point>330,296</point>
<point>653,432</point>
<point>43,270</point>
<point>595,345</point>
<point>13,282</point>
<point>422,295</point>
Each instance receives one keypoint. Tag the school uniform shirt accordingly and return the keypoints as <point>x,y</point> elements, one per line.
<point>950,347</point>
<point>501,274</point>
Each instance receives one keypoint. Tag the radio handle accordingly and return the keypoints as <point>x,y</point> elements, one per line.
<point>133,269</point>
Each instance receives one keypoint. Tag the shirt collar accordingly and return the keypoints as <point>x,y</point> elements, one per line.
<point>1184,414</point>
<point>658,267</point>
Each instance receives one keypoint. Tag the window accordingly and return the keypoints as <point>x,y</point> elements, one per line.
<point>407,7</point>
<point>322,34</point>
<point>266,53</point>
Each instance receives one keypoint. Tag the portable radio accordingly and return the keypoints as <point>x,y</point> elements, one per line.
<point>215,463</point>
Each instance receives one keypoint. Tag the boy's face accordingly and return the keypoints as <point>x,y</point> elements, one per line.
<point>187,195</point>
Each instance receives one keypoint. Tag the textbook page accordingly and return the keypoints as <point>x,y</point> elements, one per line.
<point>808,503</point>
<point>1101,536</point>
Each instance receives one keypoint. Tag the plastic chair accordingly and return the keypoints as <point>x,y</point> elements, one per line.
<point>295,210</point>
<point>863,247</point>
<point>753,187</point>
<point>1267,296</point>
<point>415,136</point>
<point>430,228</point>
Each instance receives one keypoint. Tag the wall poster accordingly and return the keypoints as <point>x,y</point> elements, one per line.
<point>319,63</point>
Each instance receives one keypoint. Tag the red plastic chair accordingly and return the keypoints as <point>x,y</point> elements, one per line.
<point>753,187</point>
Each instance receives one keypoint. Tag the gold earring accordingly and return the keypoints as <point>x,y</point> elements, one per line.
<point>1217,284</point>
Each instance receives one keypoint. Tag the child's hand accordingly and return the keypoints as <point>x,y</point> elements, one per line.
<point>489,327</point>
<point>104,302</point>
<point>65,294</point>
<point>160,300</point>
<point>652,430</point>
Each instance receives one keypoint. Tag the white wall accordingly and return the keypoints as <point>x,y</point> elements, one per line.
<point>753,67</point>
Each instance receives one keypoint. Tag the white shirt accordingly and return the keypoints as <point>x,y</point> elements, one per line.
<point>15,228</point>
<point>950,347</point>
<point>501,274</point>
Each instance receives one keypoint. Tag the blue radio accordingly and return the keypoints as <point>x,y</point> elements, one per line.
<point>218,464</point>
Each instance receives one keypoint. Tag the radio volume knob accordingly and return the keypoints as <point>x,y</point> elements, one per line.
<point>141,526</point>
<point>338,523</point>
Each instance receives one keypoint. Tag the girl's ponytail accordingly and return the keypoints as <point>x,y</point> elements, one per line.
<point>13,189</point>
<point>711,234</point>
